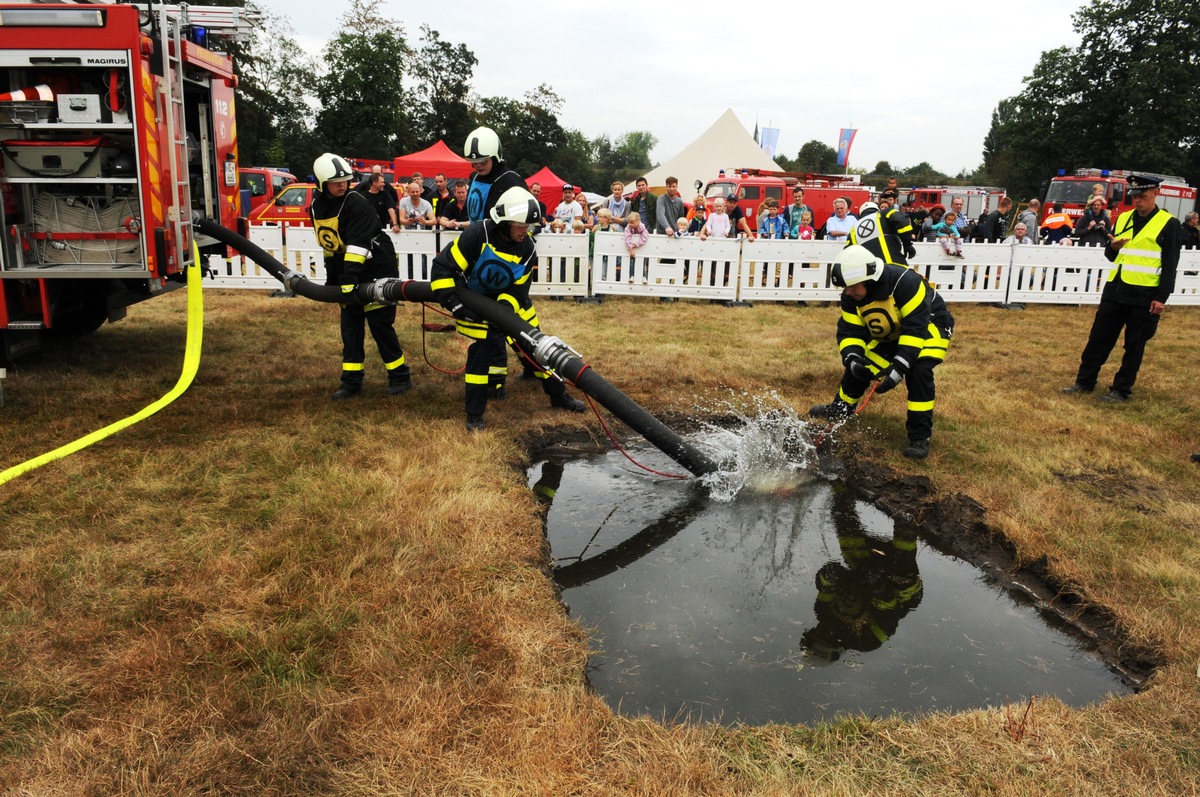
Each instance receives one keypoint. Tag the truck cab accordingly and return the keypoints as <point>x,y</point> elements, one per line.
<point>261,185</point>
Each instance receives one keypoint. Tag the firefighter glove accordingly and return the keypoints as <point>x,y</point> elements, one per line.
<point>857,367</point>
<point>889,378</point>
<point>456,308</point>
<point>351,298</point>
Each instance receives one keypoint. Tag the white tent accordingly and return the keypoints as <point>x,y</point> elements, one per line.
<point>725,145</point>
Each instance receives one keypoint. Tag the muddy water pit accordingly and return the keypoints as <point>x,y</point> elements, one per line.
<point>789,598</point>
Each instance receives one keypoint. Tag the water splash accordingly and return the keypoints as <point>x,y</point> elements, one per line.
<point>768,449</point>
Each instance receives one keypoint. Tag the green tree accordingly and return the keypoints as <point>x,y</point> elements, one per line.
<point>442,73</point>
<point>273,111</point>
<point>529,129</point>
<point>1127,97</point>
<point>363,105</point>
<point>624,158</point>
<point>816,157</point>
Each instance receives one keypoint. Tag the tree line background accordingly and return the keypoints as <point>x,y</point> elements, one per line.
<point>1128,97</point>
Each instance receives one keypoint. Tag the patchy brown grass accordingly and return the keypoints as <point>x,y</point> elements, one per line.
<point>260,592</point>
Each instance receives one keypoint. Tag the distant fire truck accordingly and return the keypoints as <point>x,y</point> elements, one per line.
<point>116,125</point>
<point>1074,190</point>
<point>977,200</point>
<point>753,186</point>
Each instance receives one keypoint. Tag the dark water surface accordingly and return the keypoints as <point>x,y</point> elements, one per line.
<point>792,602</point>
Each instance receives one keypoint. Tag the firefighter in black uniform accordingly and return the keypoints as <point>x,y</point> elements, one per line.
<point>1144,245</point>
<point>884,230</point>
<point>893,327</point>
<point>494,258</point>
<point>356,251</point>
<point>862,599</point>
<point>492,177</point>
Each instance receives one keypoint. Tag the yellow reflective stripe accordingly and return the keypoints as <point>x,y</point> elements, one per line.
<point>842,395</point>
<point>352,366</point>
<point>915,301</point>
<point>354,258</point>
<point>457,254</point>
<point>373,306</point>
<point>904,545</point>
<point>438,285</point>
<point>933,353</point>
<point>498,369</point>
<point>846,342</point>
<point>876,360</point>
<point>471,329</point>
<point>509,300</point>
<point>852,318</point>
<point>476,379</point>
<point>911,340</point>
<point>394,364</point>
<point>920,406</point>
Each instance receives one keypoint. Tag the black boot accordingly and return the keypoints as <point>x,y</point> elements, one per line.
<point>399,387</point>
<point>565,402</point>
<point>835,411</point>
<point>346,391</point>
<point>917,449</point>
<point>475,423</point>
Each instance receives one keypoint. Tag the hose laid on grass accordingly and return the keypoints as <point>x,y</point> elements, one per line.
<point>549,352</point>
<point>191,363</point>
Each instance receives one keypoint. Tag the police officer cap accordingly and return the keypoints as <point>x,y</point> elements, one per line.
<point>1142,182</point>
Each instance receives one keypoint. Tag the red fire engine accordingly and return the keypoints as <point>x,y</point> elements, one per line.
<point>977,200</point>
<point>1074,191</point>
<point>116,124</point>
<point>753,186</point>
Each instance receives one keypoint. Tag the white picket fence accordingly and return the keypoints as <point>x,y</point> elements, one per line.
<point>731,270</point>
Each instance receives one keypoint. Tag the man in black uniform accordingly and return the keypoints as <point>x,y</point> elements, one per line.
<point>494,258</point>
<point>883,234</point>
<point>1145,245</point>
<point>893,327</point>
<point>356,250</point>
<point>492,177</point>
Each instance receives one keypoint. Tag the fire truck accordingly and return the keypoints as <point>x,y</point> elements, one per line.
<point>1074,190</point>
<point>753,186</point>
<point>977,200</point>
<point>116,126</point>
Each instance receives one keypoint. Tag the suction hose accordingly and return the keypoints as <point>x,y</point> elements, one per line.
<point>546,350</point>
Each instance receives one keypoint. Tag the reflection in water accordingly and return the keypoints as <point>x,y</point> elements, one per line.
<point>782,599</point>
<point>861,599</point>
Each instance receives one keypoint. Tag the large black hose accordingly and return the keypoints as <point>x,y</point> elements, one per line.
<point>548,351</point>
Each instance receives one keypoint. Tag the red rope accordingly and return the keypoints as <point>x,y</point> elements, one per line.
<point>424,336</point>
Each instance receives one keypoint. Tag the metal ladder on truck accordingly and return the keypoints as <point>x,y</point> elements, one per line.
<point>173,19</point>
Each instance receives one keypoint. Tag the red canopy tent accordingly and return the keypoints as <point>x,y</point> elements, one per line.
<point>552,186</point>
<point>437,159</point>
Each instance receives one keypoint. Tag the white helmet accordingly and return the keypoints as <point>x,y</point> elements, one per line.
<point>868,207</point>
<point>330,168</point>
<point>482,143</point>
<point>517,206</point>
<point>856,264</point>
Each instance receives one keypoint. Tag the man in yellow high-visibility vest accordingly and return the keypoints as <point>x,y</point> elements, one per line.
<point>1144,245</point>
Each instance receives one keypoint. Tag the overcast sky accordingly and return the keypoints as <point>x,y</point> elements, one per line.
<point>918,80</point>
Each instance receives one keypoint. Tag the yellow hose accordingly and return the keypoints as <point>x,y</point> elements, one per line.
<point>191,363</point>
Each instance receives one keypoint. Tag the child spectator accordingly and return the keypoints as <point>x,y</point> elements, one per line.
<point>772,224</point>
<point>605,223</point>
<point>636,235</point>
<point>947,234</point>
<point>697,215</point>
<point>617,204</point>
<point>681,227</point>
<point>717,225</point>
<point>804,230</point>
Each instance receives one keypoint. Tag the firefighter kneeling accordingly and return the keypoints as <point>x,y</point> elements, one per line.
<point>894,327</point>
<point>494,257</point>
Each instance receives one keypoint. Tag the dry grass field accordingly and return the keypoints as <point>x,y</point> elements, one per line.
<point>260,592</point>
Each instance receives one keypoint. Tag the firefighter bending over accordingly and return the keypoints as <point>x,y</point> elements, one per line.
<point>494,258</point>
<point>356,251</point>
<point>894,327</point>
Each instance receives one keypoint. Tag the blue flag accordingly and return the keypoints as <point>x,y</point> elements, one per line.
<point>845,140</point>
